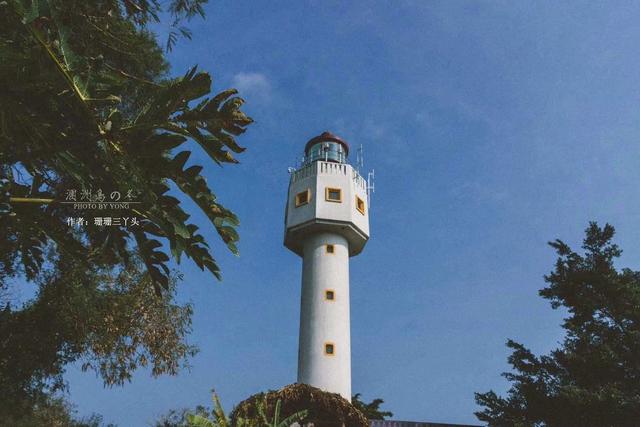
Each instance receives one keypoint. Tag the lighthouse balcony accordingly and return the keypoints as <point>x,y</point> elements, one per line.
<point>329,168</point>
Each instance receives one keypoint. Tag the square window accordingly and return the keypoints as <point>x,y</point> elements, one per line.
<point>303,198</point>
<point>330,249</point>
<point>330,295</point>
<point>333,194</point>
<point>329,349</point>
<point>360,205</point>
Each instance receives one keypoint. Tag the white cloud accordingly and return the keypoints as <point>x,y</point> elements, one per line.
<point>253,86</point>
<point>374,130</point>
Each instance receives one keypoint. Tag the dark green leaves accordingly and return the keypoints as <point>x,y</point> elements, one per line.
<point>85,105</point>
<point>593,378</point>
<point>93,113</point>
<point>372,409</point>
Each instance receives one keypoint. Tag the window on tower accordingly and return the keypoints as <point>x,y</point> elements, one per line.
<point>360,205</point>
<point>303,198</point>
<point>329,349</point>
<point>330,295</point>
<point>333,194</point>
<point>330,249</point>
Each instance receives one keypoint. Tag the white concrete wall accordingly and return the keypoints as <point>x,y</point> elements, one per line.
<point>323,321</point>
<point>344,179</point>
<point>316,177</point>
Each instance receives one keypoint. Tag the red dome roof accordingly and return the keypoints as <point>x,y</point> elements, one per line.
<point>326,136</point>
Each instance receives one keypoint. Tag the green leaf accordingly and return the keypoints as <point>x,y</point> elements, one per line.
<point>180,159</point>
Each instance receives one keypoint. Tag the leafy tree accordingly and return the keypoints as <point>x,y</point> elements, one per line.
<point>86,105</point>
<point>110,323</point>
<point>593,379</point>
<point>53,412</point>
<point>370,410</point>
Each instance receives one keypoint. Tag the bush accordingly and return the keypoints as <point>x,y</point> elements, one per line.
<point>324,409</point>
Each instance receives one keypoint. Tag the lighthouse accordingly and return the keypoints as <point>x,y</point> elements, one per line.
<point>326,223</point>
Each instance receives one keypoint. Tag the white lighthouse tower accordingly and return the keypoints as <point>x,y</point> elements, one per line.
<point>326,222</point>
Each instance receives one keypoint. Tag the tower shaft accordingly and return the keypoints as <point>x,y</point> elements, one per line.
<point>324,354</point>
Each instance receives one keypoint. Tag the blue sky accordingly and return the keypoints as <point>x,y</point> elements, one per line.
<point>493,127</point>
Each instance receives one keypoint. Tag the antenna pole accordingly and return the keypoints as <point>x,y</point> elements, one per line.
<point>371,186</point>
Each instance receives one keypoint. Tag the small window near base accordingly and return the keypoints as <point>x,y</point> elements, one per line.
<point>333,194</point>
<point>329,349</point>
<point>360,205</point>
<point>303,198</point>
<point>330,249</point>
<point>330,295</point>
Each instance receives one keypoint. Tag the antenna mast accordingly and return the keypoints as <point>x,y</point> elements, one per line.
<point>371,186</point>
<point>360,158</point>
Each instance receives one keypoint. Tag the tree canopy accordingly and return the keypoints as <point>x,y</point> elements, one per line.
<point>85,106</point>
<point>87,110</point>
<point>593,379</point>
<point>110,323</point>
<point>372,409</point>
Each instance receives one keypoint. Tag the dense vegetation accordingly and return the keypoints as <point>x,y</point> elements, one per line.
<point>85,107</point>
<point>593,379</point>
<point>301,402</point>
<point>372,409</point>
<point>216,417</point>
<point>87,112</point>
<point>323,409</point>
